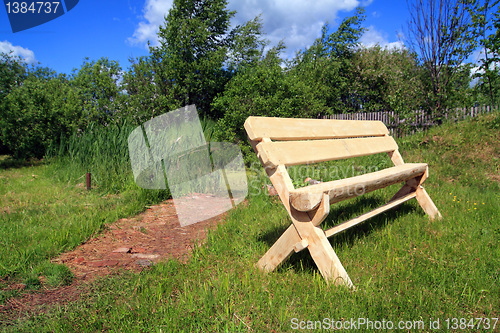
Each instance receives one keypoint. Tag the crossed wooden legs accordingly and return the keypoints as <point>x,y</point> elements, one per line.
<point>305,233</point>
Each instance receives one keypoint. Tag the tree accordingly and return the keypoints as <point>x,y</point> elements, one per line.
<point>13,71</point>
<point>188,63</point>
<point>246,45</point>
<point>264,89</point>
<point>326,65</point>
<point>485,25</point>
<point>97,85</point>
<point>193,66</point>
<point>438,33</point>
<point>39,113</point>
<point>142,100</point>
<point>387,80</point>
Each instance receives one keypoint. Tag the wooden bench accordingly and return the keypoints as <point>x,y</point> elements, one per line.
<point>282,142</point>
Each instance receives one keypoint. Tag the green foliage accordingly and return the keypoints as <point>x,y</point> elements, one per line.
<point>341,43</point>
<point>143,96</point>
<point>387,80</point>
<point>196,58</point>
<point>188,63</point>
<point>485,26</point>
<point>96,83</point>
<point>313,85</point>
<point>265,89</point>
<point>495,124</point>
<point>13,71</point>
<point>47,107</point>
<point>44,74</point>
<point>326,66</point>
<point>100,150</point>
<point>38,113</point>
<point>246,45</point>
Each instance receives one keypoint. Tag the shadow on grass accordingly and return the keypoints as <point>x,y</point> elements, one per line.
<point>8,162</point>
<point>302,261</point>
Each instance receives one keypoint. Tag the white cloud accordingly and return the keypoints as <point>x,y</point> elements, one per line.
<point>154,13</point>
<point>372,37</point>
<point>297,22</point>
<point>26,54</point>
<point>477,55</point>
<point>477,58</point>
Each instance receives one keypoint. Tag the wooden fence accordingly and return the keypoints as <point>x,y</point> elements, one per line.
<point>419,121</point>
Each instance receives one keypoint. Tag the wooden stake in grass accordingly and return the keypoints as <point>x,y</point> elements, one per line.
<point>88,181</point>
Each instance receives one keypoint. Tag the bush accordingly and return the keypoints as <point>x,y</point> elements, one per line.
<point>265,89</point>
<point>36,115</point>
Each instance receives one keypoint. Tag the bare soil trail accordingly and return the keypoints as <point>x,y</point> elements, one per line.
<point>133,243</point>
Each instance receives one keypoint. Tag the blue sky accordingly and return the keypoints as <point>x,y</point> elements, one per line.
<point>120,29</point>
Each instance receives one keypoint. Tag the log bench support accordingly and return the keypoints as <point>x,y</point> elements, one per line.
<point>306,141</point>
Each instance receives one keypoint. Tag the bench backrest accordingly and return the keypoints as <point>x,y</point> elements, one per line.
<point>305,141</point>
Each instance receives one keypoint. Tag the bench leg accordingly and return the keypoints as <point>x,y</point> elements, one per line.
<point>427,204</point>
<point>280,251</point>
<point>304,232</point>
<point>323,254</point>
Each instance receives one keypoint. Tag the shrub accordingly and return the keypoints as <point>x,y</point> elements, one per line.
<point>265,89</point>
<point>37,114</point>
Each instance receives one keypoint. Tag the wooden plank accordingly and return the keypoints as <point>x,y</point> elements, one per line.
<point>307,152</point>
<point>357,220</point>
<point>307,198</point>
<point>304,129</point>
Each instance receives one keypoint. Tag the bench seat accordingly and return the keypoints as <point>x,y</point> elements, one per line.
<point>308,198</point>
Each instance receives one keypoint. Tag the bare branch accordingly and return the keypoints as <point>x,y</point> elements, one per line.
<point>437,32</point>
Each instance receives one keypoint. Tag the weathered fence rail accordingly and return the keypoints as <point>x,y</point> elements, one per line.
<point>420,120</point>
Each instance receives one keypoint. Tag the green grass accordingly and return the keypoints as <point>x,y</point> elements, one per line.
<point>42,217</point>
<point>102,151</point>
<point>405,267</point>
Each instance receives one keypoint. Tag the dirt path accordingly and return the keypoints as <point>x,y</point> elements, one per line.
<point>131,243</point>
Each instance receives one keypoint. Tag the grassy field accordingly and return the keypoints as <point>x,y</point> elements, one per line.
<point>406,268</point>
<point>46,209</point>
<point>42,217</point>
